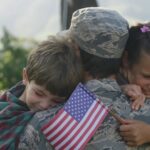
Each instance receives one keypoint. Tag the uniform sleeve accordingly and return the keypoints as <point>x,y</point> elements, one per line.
<point>32,137</point>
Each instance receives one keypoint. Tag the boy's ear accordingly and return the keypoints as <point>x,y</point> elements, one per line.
<point>25,76</point>
<point>125,59</point>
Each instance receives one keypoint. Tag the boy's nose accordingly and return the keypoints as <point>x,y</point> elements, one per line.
<point>47,105</point>
<point>44,105</point>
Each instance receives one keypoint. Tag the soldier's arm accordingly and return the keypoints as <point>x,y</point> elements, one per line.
<point>32,138</point>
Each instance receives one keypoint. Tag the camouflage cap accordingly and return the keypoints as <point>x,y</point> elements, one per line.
<point>98,31</point>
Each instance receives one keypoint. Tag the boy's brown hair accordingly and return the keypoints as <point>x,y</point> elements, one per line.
<point>55,66</point>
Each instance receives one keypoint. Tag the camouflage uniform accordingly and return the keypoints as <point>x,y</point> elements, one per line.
<point>106,137</point>
<point>33,138</point>
<point>103,33</point>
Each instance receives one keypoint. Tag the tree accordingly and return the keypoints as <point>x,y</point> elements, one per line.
<point>12,60</point>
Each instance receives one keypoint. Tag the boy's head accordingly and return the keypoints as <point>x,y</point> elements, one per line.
<point>51,74</point>
<point>101,35</point>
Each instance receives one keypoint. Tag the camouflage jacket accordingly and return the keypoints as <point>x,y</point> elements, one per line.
<point>106,137</point>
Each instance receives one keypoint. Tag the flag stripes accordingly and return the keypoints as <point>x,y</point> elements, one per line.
<point>64,132</point>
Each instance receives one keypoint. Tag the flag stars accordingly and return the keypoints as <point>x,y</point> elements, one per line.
<point>78,103</point>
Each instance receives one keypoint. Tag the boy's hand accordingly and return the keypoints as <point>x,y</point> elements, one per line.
<point>135,94</point>
<point>135,133</point>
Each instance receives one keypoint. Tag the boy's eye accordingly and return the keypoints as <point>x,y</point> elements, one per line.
<point>38,93</point>
<point>58,100</point>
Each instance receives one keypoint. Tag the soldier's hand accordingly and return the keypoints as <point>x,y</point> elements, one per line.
<point>135,93</point>
<point>135,132</point>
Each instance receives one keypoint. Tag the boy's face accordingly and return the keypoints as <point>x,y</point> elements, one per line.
<point>38,98</point>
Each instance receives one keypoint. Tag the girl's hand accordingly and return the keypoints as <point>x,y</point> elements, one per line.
<point>135,94</point>
<point>135,132</point>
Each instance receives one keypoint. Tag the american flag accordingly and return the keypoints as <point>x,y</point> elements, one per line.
<point>76,122</point>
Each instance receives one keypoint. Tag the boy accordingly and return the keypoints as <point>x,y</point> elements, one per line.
<point>51,74</point>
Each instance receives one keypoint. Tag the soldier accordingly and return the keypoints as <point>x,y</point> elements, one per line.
<point>101,35</point>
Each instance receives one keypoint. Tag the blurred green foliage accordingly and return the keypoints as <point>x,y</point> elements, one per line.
<point>13,55</point>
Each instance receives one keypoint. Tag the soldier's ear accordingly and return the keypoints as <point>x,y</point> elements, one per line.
<point>75,47</point>
<point>77,51</point>
<point>25,76</point>
<point>125,62</point>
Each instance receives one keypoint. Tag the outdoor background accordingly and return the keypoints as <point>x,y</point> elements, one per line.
<point>23,23</point>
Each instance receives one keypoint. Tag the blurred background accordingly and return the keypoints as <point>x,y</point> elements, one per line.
<point>23,23</point>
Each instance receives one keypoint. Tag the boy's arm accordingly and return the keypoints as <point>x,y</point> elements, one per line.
<point>135,93</point>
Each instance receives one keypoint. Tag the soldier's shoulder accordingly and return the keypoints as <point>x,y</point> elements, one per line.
<point>104,84</point>
<point>46,115</point>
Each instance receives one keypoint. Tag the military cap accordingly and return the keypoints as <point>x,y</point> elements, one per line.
<point>99,31</point>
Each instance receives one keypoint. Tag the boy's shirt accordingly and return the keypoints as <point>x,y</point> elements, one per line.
<point>106,137</point>
<point>14,115</point>
<point>17,89</point>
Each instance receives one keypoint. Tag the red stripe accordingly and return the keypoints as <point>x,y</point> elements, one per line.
<point>90,125</point>
<point>66,135</point>
<point>56,126</point>
<point>15,113</point>
<point>3,126</point>
<point>12,136</point>
<point>94,130</point>
<point>81,127</point>
<point>98,125</point>
<point>8,135</point>
<point>3,147</point>
<point>52,120</point>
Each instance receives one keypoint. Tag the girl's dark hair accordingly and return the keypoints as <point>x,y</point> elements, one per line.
<point>138,42</point>
<point>99,67</point>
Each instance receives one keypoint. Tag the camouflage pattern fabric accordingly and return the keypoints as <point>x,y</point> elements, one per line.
<point>33,138</point>
<point>98,31</point>
<point>107,137</point>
